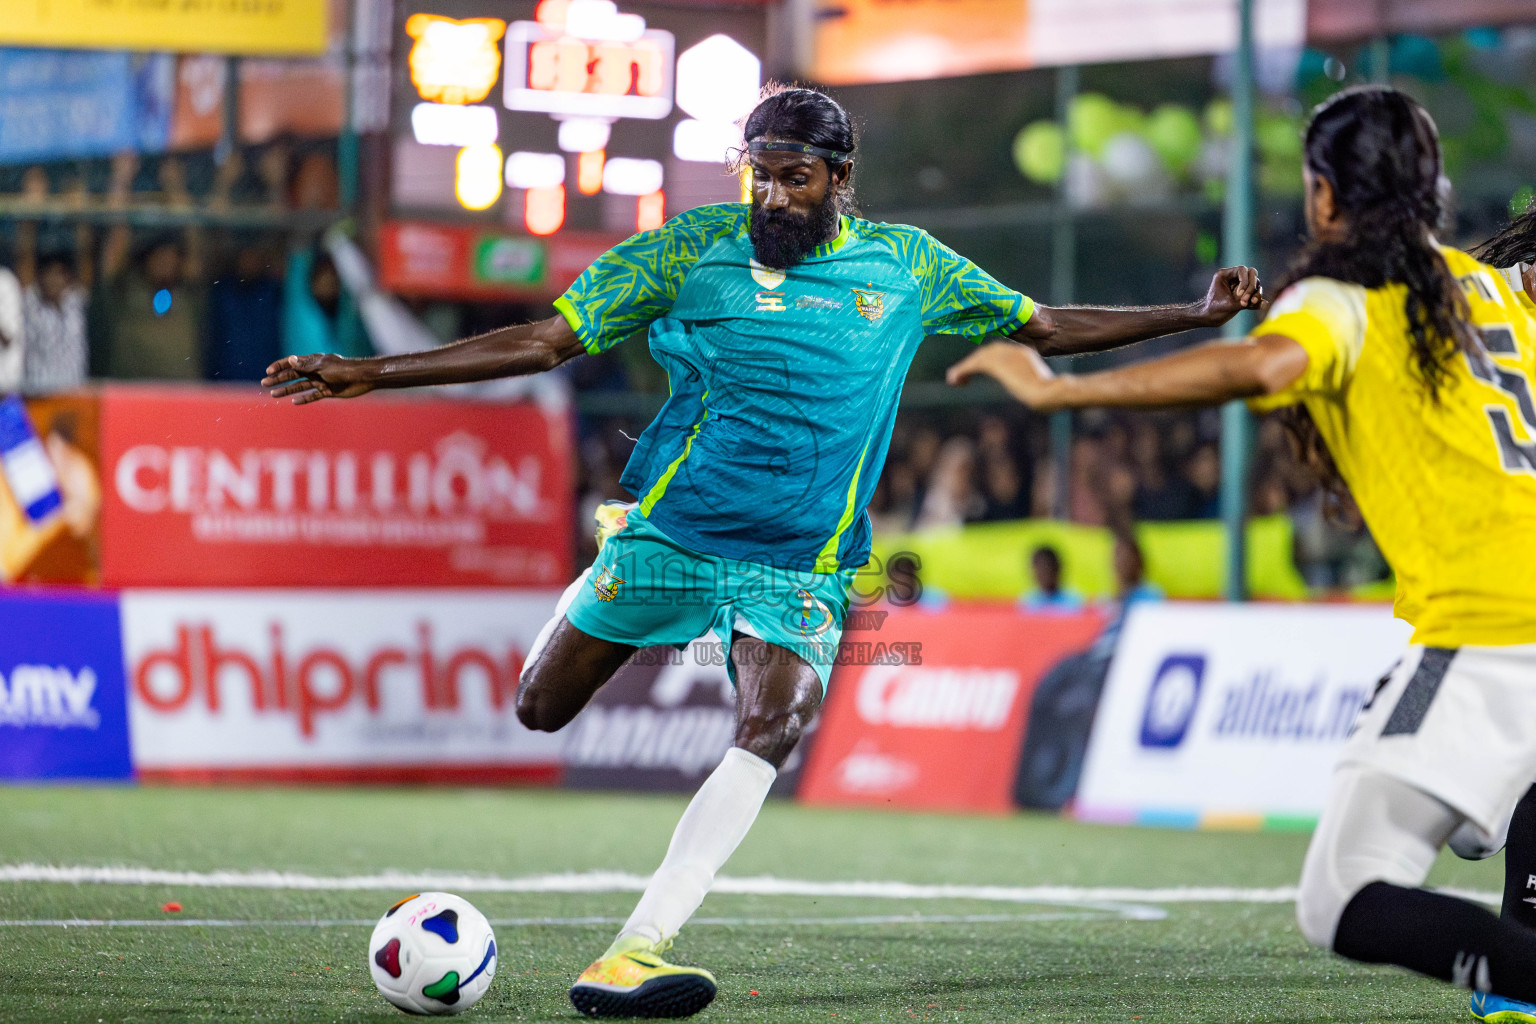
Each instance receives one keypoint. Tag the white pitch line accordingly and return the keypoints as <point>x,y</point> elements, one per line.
<point>615,881</point>
<point>574,922</point>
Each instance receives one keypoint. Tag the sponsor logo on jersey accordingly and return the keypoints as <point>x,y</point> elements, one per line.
<point>871,305</point>
<point>812,617</point>
<point>770,302</point>
<point>606,585</point>
<point>767,276</point>
<point>816,302</point>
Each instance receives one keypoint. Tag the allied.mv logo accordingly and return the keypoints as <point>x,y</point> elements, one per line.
<point>871,305</point>
<point>606,584</point>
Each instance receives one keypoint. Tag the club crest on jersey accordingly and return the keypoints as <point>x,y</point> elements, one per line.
<point>767,276</point>
<point>606,585</point>
<point>871,305</point>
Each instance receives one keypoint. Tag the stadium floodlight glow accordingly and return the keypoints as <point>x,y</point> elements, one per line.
<point>442,124</point>
<point>454,61</point>
<point>651,211</point>
<point>600,19</point>
<point>626,176</point>
<point>589,172</point>
<point>708,142</point>
<point>477,176</point>
<point>718,79</point>
<point>544,210</point>
<point>535,170</point>
<point>584,134</point>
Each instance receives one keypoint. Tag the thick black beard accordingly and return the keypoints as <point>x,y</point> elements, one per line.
<point>781,239</point>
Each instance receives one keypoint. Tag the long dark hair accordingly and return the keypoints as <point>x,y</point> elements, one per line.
<point>1380,153</point>
<point>809,116</point>
<point>1516,243</point>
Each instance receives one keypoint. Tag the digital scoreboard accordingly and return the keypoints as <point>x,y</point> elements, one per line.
<point>567,115</point>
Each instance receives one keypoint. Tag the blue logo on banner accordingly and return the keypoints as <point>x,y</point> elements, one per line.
<point>63,703</point>
<point>1172,699</point>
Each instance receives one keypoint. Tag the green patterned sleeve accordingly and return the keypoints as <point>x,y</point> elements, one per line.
<point>958,296</point>
<point>637,280</point>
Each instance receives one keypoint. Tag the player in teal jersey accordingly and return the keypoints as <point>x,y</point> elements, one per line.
<point>786,327</point>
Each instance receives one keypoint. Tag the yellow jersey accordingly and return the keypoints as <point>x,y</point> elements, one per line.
<point>1447,488</point>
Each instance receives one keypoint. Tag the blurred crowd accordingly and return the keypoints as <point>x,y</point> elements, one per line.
<point>952,466</point>
<point>88,290</point>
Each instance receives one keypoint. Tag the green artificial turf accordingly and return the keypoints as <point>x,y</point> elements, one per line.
<point>1202,962</point>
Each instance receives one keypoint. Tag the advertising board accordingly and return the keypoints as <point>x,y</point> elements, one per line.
<point>1231,714</point>
<point>333,685</point>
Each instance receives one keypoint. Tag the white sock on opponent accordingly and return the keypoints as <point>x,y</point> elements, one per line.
<point>714,824</point>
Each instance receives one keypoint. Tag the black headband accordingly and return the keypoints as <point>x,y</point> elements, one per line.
<point>759,146</point>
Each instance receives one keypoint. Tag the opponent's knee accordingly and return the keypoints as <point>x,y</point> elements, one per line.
<point>1320,902</point>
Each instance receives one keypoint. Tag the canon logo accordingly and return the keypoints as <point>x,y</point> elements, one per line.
<point>915,697</point>
<point>317,680</point>
<point>459,476</point>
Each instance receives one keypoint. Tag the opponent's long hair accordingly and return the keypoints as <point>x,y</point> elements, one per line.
<point>1516,243</point>
<point>809,116</point>
<point>1380,152</point>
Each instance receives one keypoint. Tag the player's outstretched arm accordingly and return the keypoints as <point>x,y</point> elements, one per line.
<point>1207,375</point>
<point>509,352</point>
<point>1069,330</point>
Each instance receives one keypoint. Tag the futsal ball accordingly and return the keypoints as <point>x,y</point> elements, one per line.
<point>432,953</point>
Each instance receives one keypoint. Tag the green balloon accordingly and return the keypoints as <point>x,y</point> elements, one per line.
<point>1093,119</point>
<point>1174,133</point>
<point>1278,137</point>
<point>1218,117</point>
<point>1040,152</point>
<point>1129,119</point>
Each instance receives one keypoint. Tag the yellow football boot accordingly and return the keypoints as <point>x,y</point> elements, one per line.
<point>632,980</point>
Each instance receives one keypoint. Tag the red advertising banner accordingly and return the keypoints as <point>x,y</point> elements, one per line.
<point>225,487</point>
<point>927,709</point>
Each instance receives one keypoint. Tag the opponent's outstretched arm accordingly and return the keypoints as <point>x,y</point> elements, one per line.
<point>508,352</point>
<point>1069,330</point>
<point>1207,375</point>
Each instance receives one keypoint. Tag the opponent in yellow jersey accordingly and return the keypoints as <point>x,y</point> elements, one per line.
<point>1447,485</point>
<point>1413,364</point>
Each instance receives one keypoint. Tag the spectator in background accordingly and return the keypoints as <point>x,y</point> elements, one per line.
<point>245,319</point>
<point>951,497</point>
<point>147,318</point>
<point>54,296</point>
<point>1203,471</point>
<point>1048,594</point>
<point>12,340</point>
<point>1160,495</point>
<point>1131,588</point>
<point>312,308</point>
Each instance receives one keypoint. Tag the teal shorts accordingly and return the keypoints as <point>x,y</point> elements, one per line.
<point>647,590</point>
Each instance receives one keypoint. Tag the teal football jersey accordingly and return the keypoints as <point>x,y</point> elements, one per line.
<point>784,383</point>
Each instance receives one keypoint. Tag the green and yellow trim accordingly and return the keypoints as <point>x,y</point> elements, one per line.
<point>564,308</point>
<point>659,488</point>
<point>826,558</point>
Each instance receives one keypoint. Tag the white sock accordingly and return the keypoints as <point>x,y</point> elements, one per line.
<point>714,824</point>
<point>542,640</point>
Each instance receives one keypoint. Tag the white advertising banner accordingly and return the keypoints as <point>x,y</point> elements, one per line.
<point>390,685</point>
<point>1231,714</point>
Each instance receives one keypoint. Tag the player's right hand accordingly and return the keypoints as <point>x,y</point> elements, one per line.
<point>313,377</point>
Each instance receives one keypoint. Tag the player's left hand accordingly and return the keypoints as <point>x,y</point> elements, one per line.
<point>1232,290</point>
<point>1018,368</point>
